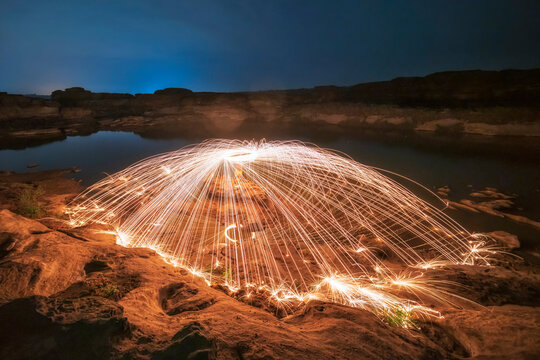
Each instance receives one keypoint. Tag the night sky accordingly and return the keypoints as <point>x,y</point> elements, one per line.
<point>140,46</point>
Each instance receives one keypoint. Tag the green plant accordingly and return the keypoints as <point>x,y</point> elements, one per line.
<point>110,291</point>
<point>28,202</point>
<point>227,274</point>
<point>399,317</point>
<point>208,269</point>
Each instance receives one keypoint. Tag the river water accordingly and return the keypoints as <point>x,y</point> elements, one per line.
<point>106,152</point>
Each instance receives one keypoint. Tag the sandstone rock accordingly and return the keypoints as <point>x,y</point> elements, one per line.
<point>443,191</point>
<point>45,328</point>
<point>22,107</point>
<point>519,129</point>
<point>505,240</point>
<point>491,285</point>
<point>74,293</point>
<point>73,113</point>
<point>403,104</point>
<point>174,91</point>
<point>73,93</point>
<point>192,342</point>
<point>494,203</point>
<point>499,332</point>
<point>440,125</point>
<point>180,297</point>
<point>51,189</point>
<point>38,261</point>
<point>491,193</point>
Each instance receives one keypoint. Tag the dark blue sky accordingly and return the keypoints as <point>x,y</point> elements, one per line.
<point>140,46</point>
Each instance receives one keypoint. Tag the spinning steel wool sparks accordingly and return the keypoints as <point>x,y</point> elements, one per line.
<point>290,220</point>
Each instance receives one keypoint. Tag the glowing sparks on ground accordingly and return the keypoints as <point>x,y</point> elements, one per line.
<point>291,220</point>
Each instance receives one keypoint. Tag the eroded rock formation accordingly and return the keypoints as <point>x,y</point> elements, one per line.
<point>468,102</point>
<point>67,294</point>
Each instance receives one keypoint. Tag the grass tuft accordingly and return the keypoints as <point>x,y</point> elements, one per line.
<point>28,202</point>
<point>400,317</point>
<point>227,274</point>
<point>110,291</point>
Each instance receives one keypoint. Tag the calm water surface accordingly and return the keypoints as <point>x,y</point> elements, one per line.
<point>107,152</point>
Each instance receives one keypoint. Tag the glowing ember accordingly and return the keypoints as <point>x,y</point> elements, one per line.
<point>292,220</point>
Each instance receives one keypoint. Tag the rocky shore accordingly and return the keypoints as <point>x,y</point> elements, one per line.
<point>494,103</point>
<point>74,293</point>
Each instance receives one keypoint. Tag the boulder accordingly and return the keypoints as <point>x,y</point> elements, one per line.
<point>173,91</point>
<point>505,239</point>
<point>38,327</point>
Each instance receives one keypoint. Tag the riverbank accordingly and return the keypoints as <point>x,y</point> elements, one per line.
<point>453,104</point>
<point>63,288</point>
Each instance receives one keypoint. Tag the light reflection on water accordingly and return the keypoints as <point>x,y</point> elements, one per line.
<point>107,152</point>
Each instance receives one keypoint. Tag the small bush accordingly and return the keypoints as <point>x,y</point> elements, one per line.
<point>110,291</point>
<point>219,271</point>
<point>227,274</point>
<point>400,317</point>
<point>28,202</point>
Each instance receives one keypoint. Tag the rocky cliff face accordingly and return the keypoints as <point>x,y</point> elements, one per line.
<point>75,294</point>
<point>471,102</point>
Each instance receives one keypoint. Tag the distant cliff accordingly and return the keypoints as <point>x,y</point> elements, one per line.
<point>465,102</point>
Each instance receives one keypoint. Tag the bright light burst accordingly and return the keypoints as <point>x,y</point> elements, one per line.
<point>288,219</point>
